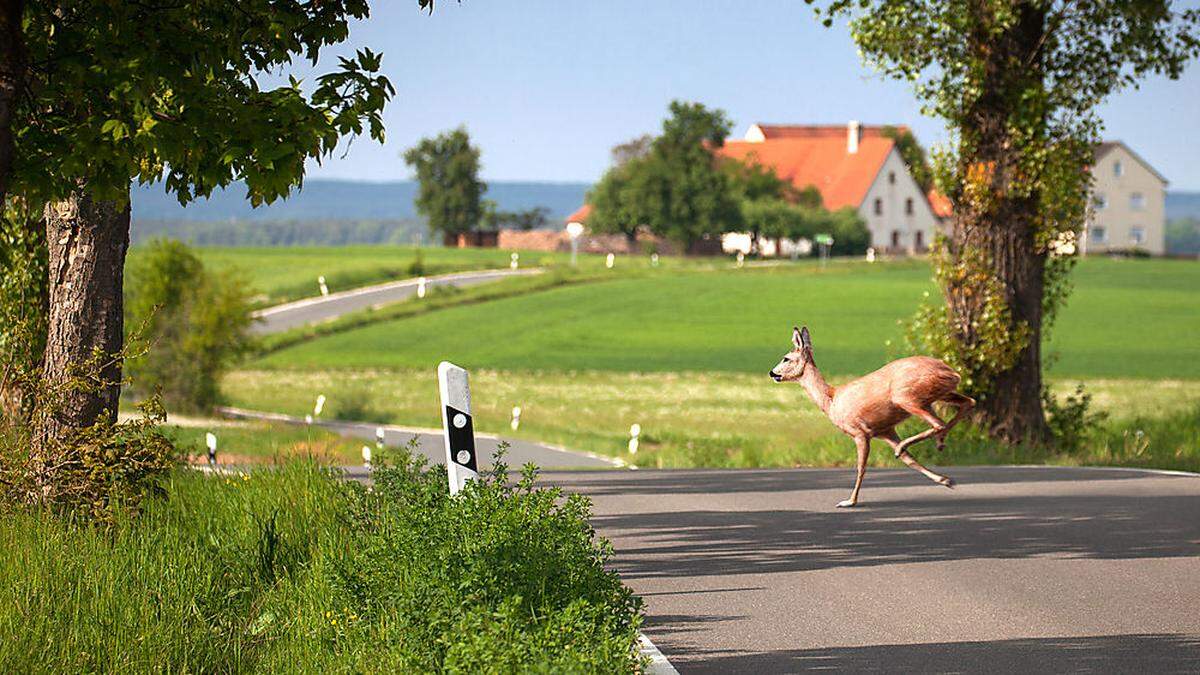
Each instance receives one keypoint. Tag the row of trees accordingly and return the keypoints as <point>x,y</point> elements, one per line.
<point>675,186</point>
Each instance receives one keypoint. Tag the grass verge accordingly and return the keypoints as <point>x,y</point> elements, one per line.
<point>714,419</point>
<point>264,443</point>
<point>291,570</point>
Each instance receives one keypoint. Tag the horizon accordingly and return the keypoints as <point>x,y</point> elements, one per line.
<point>547,102</point>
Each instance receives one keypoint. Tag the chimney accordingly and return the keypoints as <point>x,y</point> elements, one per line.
<point>853,136</point>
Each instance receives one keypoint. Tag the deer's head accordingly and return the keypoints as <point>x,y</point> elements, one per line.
<point>794,363</point>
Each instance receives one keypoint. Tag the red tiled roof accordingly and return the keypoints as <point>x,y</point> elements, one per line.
<point>940,203</point>
<point>580,215</point>
<point>820,160</point>
<point>780,131</point>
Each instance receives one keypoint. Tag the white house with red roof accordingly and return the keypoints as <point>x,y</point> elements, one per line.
<point>855,166</point>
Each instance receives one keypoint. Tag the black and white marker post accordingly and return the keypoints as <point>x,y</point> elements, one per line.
<point>459,432</point>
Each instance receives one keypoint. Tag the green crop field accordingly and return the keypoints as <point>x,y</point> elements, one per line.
<point>685,353</point>
<point>1126,319</point>
<point>281,274</point>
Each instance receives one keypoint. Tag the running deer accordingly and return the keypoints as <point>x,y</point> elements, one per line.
<point>872,406</point>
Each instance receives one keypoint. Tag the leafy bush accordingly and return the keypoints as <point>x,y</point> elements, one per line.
<point>500,578</point>
<point>196,323</point>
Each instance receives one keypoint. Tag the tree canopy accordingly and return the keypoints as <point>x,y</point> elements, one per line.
<point>450,195</point>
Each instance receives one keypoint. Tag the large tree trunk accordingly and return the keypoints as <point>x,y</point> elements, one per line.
<point>999,221</point>
<point>12,75</point>
<point>87,241</point>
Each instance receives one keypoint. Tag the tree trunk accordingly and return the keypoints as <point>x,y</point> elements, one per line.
<point>1001,224</point>
<point>87,241</point>
<point>12,75</point>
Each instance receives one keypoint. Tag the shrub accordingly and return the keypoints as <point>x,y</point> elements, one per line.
<point>196,324</point>
<point>500,578</point>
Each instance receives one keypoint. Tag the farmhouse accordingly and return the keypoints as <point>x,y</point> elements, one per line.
<point>856,166</point>
<point>1128,203</point>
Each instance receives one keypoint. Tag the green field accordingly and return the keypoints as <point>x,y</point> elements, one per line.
<point>1126,319</point>
<point>280,274</point>
<point>684,354</point>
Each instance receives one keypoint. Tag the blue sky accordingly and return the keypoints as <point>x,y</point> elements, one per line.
<point>547,87</point>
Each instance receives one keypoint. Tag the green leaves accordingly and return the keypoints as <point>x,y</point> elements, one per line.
<point>174,93</point>
<point>450,193</point>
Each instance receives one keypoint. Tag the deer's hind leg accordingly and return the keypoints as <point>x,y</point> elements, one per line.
<point>898,445</point>
<point>936,426</point>
<point>963,405</point>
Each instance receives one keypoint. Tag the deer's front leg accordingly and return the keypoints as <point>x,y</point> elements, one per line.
<point>863,443</point>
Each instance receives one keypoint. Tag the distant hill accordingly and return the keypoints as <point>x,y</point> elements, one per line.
<point>345,200</point>
<point>1183,205</point>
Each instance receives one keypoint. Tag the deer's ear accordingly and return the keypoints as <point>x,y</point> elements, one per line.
<point>805,340</point>
<point>797,339</point>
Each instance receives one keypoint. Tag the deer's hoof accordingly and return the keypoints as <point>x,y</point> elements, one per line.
<point>947,481</point>
<point>846,503</point>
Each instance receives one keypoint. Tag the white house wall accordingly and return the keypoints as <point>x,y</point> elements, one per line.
<point>893,195</point>
<point>1115,216</point>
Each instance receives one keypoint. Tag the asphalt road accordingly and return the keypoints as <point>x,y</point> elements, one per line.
<point>431,445</point>
<point>1018,570</point>
<point>325,308</point>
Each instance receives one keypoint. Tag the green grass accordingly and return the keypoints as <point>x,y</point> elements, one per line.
<point>1126,319</point>
<point>257,443</point>
<point>281,274</point>
<point>290,570</point>
<point>701,419</point>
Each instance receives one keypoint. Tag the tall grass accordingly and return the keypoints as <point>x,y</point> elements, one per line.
<point>267,571</point>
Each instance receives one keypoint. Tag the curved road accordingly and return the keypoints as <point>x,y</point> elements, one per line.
<point>1018,570</point>
<point>325,308</point>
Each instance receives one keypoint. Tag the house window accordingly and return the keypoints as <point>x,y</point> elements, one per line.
<point>895,238</point>
<point>1100,201</point>
<point>908,206</point>
<point>1137,235</point>
<point>878,207</point>
<point>920,241</point>
<point>1137,201</point>
<point>1118,169</point>
<point>1099,235</point>
<point>892,177</point>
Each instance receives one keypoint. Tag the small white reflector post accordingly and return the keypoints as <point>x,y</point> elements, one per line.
<point>457,427</point>
<point>635,430</point>
<point>319,406</point>
<point>421,287</point>
<point>321,283</point>
<point>210,440</point>
<point>516,418</point>
<point>380,436</point>
<point>366,454</point>
<point>516,261</point>
<point>741,259</point>
<point>608,262</point>
<point>654,260</point>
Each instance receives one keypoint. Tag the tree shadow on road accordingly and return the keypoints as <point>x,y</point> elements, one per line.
<point>700,481</point>
<point>1148,653</point>
<point>702,543</point>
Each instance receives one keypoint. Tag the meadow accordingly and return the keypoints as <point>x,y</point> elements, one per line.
<point>280,274</point>
<point>1125,319</point>
<point>685,354</point>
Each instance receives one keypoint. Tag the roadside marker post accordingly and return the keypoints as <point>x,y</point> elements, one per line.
<point>741,259</point>
<point>608,262</point>
<point>654,260</point>
<point>516,418</point>
<point>635,430</point>
<point>516,261</point>
<point>380,435</point>
<point>321,283</point>
<point>457,428</point>
<point>210,440</point>
<point>421,287</point>
<point>366,455</point>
